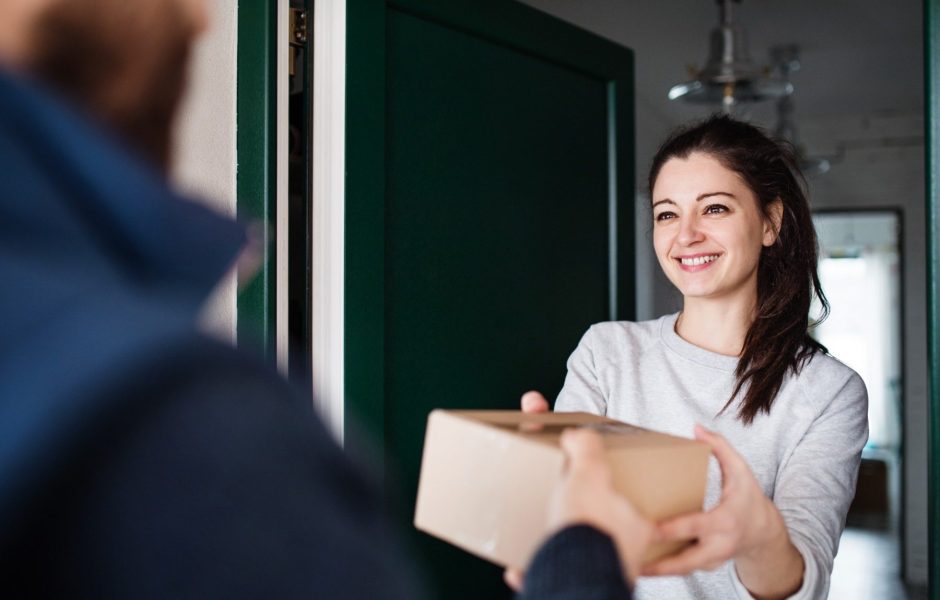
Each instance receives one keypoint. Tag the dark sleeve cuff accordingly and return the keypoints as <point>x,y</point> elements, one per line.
<point>578,562</point>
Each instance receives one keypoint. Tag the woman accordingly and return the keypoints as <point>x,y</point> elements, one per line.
<point>732,231</point>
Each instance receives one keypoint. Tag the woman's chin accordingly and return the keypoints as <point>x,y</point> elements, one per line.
<point>705,291</point>
<point>695,289</point>
<point>697,294</point>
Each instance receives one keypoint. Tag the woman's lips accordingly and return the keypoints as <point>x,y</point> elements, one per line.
<point>697,262</point>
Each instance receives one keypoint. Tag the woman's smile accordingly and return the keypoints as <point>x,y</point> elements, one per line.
<point>692,263</point>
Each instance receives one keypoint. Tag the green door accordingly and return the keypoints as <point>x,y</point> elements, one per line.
<point>489,210</point>
<point>932,88</point>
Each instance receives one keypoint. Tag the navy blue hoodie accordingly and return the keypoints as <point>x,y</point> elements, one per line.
<point>102,269</point>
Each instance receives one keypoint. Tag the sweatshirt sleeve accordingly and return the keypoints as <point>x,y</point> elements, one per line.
<point>582,391</point>
<point>816,485</point>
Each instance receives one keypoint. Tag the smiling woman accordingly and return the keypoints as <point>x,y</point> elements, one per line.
<point>734,233</point>
<point>693,230</point>
<point>732,230</point>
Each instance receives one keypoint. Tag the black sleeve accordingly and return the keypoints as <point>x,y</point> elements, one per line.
<point>224,485</point>
<point>577,563</point>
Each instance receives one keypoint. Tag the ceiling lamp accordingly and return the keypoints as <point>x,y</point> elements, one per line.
<point>786,60</point>
<point>729,76</point>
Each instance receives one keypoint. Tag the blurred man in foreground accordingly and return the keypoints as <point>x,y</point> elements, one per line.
<point>139,459</point>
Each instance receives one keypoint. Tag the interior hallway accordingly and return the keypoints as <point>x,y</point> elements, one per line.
<point>868,568</point>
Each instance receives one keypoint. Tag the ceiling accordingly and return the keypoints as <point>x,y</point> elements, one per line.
<point>860,57</point>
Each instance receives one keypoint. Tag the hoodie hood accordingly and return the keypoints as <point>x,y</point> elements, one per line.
<point>70,187</point>
<point>103,270</point>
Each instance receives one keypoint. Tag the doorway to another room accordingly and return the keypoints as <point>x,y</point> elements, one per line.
<point>860,271</point>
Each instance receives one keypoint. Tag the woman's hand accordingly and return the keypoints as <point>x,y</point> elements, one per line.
<point>534,402</point>
<point>745,527</point>
<point>531,402</point>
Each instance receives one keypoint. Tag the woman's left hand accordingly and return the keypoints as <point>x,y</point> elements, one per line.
<point>745,526</point>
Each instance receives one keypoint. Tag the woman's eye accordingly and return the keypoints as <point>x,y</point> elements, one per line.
<point>714,209</point>
<point>665,215</point>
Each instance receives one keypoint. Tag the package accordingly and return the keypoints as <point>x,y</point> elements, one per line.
<point>487,477</point>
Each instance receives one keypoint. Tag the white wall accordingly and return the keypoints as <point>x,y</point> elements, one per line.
<point>204,162</point>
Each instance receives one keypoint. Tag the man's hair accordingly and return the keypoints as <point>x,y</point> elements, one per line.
<point>123,62</point>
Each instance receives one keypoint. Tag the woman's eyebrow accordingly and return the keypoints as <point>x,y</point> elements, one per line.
<point>709,194</point>
<point>698,199</point>
<point>663,201</point>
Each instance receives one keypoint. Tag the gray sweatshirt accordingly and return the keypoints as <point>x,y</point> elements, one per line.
<point>805,454</point>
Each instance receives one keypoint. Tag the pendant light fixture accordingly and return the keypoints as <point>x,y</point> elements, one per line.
<point>786,60</point>
<point>729,77</point>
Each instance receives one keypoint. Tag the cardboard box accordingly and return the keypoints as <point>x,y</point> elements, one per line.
<point>487,476</point>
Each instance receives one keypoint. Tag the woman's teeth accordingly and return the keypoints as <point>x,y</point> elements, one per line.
<point>698,260</point>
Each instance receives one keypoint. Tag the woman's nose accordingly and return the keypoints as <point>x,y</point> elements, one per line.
<point>690,232</point>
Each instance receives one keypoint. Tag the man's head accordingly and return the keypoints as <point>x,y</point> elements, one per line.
<point>122,61</point>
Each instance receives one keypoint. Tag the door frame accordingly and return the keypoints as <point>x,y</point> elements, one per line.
<point>256,175</point>
<point>932,163</point>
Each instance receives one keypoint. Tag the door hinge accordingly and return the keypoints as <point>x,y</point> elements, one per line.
<point>297,31</point>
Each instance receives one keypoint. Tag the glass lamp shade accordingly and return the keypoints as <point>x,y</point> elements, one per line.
<point>729,76</point>
<point>742,90</point>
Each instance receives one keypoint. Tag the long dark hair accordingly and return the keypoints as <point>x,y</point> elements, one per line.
<point>778,340</point>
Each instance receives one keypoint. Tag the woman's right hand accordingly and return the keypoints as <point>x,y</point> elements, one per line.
<point>534,402</point>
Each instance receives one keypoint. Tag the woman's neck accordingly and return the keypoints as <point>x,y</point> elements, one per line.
<point>717,326</point>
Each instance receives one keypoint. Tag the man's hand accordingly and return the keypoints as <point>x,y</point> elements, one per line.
<point>586,496</point>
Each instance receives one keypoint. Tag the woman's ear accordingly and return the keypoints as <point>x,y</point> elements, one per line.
<point>772,222</point>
